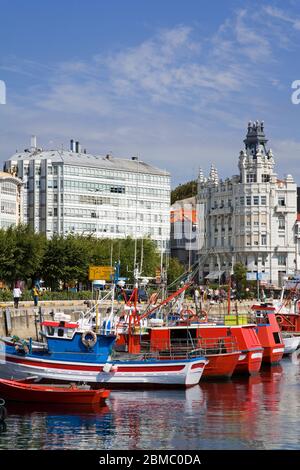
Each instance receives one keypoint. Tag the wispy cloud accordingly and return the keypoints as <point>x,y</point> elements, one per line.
<point>171,95</point>
<point>279,14</point>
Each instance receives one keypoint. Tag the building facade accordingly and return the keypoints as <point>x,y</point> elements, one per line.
<point>249,218</point>
<point>70,191</point>
<point>10,200</point>
<point>184,231</point>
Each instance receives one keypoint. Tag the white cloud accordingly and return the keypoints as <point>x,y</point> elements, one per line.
<point>283,16</point>
<point>172,98</point>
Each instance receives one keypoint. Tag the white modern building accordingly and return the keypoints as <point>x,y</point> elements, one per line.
<point>249,218</point>
<point>71,191</point>
<point>10,200</point>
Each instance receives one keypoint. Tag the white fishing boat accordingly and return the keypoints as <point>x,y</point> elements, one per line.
<point>291,342</point>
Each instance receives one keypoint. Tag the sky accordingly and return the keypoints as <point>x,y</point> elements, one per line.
<point>174,82</point>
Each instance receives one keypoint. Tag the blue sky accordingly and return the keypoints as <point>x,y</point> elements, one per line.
<point>173,81</point>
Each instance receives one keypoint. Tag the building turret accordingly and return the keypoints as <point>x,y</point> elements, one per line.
<point>255,139</point>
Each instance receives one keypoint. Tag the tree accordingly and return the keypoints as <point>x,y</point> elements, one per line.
<point>175,269</point>
<point>21,253</point>
<point>239,273</point>
<point>66,259</point>
<point>183,191</point>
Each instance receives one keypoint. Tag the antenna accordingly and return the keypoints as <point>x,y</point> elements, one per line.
<point>136,210</point>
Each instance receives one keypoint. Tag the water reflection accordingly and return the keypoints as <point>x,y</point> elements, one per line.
<point>244,413</point>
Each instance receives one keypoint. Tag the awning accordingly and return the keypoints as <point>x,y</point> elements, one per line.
<point>214,275</point>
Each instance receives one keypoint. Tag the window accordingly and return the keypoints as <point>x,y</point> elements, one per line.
<point>251,178</point>
<point>248,200</point>
<point>281,201</point>
<point>242,200</point>
<point>277,338</point>
<point>265,178</point>
<point>256,200</point>
<point>281,260</point>
<point>263,200</point>
<point>55,211</point>
<point>264,239</point>
<point>281,223</point>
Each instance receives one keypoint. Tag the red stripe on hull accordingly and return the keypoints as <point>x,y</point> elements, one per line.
<point>197,366</point>
<point>51,365</point>
<point>134,368</point>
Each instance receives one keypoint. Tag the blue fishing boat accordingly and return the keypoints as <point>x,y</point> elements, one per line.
<point>72,354</point>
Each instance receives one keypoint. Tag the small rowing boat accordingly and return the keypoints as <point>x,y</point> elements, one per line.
<point>39,393</point>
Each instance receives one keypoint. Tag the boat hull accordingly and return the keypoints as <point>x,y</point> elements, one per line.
<point>290,344</point>
<point>221,366</point>
<point>249,362</point>
<point>17,391</point>
<point>273,354</point>
<point>151,372</point>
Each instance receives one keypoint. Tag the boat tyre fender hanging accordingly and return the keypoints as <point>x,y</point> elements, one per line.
<point>279,319</point>
<point>89,339</point>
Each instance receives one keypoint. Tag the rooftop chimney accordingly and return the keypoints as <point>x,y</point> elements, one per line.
<point>72,145</point>
<point>33,142</point>
<point>78,149</point>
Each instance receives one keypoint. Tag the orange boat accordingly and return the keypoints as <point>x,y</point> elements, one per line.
<point>28,392</point>
<point>268,332</point>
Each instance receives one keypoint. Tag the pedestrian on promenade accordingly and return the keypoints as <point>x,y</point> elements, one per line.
<point>16,294</point>
<point>35,294</point>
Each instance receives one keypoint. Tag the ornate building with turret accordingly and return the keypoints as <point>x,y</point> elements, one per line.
<point>250,217</point>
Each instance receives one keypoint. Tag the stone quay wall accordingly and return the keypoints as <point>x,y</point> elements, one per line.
<point>25,319</point>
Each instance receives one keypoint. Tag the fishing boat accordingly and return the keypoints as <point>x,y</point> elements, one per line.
<point>177,336</point>
<point>291,342</point>
<point>221,351</point>
<point>40,393</point>
<point>250,360</point>
<point>73,354</point>
<point>268,332</point>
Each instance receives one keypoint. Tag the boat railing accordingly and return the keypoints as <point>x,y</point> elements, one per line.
<point>203,346</point>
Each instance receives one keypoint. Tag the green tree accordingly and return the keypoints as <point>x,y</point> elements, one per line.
<point>239,274</point>
<point>21,253</point>
<point>66,259</point>
<point>175,269</point>
<point>183,191</point>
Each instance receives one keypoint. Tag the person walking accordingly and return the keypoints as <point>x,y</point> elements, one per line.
<point>16,295</point>
<point>35,294</point>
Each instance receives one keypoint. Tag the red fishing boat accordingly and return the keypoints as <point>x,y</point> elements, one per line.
<point>221,351</point>
<point>268,332</point>
<point>252,351</point>
<point>38,393</point>
<point>179,338</point>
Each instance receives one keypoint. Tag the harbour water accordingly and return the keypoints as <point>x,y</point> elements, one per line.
<point>260,412</point>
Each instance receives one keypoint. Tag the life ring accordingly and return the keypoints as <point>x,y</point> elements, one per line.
<point>204,316</point>
<point>89,339</point>
<point>279,319</point>
<point>187,311</point>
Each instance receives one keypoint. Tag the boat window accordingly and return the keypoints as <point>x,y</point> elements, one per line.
<point>277,338</point>
<point>50,330</point>
<point>60,332</point>
<point>69,333</point>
